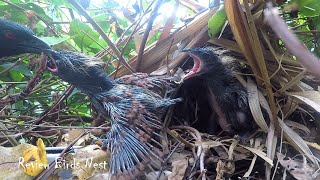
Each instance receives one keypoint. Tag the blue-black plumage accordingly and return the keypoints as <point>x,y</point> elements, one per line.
<point>130,102</point>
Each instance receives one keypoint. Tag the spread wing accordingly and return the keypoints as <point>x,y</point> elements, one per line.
<point>134,135</point>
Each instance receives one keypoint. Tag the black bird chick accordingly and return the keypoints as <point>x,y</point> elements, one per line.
<point>17,39</point>
<point>226,96</point>
<point>129,102</point>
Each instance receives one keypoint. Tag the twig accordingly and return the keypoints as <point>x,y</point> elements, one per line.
<point>146,34</point>
<point>167,159</point>
<point>62,98</point>
<point>56,127</point>
<point>179,138</point>
<point>127,40</point>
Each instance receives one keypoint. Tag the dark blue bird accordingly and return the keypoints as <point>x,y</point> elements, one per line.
<point>17,39</point>
<point>132,104</point>
<point>226,96</point>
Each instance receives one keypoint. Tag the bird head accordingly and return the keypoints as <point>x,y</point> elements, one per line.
<point>204,61</point>
<point>80,70</point>
<point>17,39</point>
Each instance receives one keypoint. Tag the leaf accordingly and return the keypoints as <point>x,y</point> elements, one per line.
<point>53,40</point>
<point>311,98</point>
<point>57,2</point>
<point>217,21</point>
<point>80,32</point>
<point>259,153</point>
<point>18,16</point>
<point>15,75</point>
<point>299,170</point>
<point>179,168</point>
<point>254,104</point>
<point>22,68</point>
<point>102,21</point>
<point>309,7</point>
<point>297,142</point>
<point>34,159</point>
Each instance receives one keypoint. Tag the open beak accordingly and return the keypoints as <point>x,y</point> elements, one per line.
<point>51,64</point>
<point>197,64</point>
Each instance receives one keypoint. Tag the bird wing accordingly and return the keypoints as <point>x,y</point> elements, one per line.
<point>134,126</point>
<point>234,103</point>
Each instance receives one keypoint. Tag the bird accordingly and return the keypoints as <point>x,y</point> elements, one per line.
<point>17,39</point>
<point>226,95</point>
<point>131,102</point>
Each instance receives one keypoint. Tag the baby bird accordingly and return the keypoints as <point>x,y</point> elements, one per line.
<point>130,102</point>
<point>226,96</point>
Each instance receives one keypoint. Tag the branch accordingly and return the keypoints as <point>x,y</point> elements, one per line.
<point>306,58</point>
<point>57,103</point>
<point>146,34</point>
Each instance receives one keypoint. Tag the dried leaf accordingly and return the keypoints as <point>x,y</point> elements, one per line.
<point>299,170</point>
<point>297,142</point>
<point>259,153</point>
<point>311,98</point>
<point>298,126</point>
<point>178,170</point>
<point>254,104</point>
<point>240,31</point>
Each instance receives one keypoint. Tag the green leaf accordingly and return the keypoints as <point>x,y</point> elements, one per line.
<point>80,32</point>
<point>316,21</point>
<point>20,16</point>
<point>130,46</point>
<point>102,19</point>
<point>217,21</point>
<point>53,40</point>
<point>15,75</point>
<point>15,15</point>
<point>22,68</point>
<point>309,7</point>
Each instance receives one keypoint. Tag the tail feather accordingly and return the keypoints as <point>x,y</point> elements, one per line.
<point>130,153</point>
<point>134,137</point>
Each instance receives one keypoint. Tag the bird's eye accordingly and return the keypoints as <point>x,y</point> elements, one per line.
<point>9,35</point>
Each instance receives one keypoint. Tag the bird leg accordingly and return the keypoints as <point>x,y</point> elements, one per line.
<point>30,85</point>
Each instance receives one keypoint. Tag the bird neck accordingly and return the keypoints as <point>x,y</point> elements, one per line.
<point>98,84</point>
<point>92,90</point>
